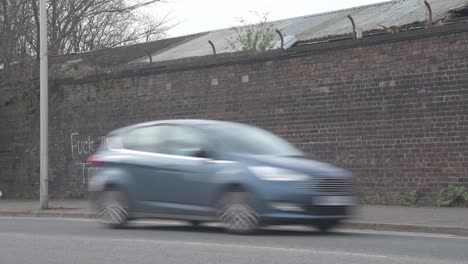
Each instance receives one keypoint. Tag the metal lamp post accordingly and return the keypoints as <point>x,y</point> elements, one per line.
<point>44,108</point>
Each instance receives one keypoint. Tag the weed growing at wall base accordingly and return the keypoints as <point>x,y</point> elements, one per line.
<point>408,199</point>
<point>452,195</point>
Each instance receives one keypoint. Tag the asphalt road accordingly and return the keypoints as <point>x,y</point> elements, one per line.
<point>50,241</point>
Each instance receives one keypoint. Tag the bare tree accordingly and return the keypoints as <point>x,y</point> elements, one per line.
<point>15,20</point>
<point>75,26</point>
<point>83,25</point>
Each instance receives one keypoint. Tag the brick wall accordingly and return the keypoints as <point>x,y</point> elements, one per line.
<point>18,155</point>
<point>393,109</point>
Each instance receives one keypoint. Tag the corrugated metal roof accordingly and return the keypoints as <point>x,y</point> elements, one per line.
<point>118,56</point>
<point>370,17</point>
<point>198,46</point>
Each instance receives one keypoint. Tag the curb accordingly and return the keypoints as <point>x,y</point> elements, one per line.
<point>446,230</point>
<point>48,214</point>
<point>458,231</point>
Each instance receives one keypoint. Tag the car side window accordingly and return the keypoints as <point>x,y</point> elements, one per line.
<point>184,140</point>
<point>149,139</point>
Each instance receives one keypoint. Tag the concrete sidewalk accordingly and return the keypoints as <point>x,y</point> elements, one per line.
<point>30,208</point>
<point>387,218</point>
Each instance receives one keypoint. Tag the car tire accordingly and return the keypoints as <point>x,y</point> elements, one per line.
<point>113,209</point>
<point>237,213</point>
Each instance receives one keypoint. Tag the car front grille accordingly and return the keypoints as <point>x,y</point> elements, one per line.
<point>326,210</point>
<point>329,185</point>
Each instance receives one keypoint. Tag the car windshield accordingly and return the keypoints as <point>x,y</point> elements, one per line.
<point>251,140</point>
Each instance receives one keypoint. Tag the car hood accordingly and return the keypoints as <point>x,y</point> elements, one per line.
<point>297,163</point>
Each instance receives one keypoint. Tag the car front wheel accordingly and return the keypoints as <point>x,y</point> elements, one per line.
<point>237,213</point>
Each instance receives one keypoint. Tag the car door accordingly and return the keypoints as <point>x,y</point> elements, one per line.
<point>150,165</point>
<point>195,169</point>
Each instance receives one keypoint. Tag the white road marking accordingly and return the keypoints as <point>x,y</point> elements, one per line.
<point>295,228</point>
<point>197,244</point>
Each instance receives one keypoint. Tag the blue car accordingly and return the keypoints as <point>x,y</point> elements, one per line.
<point>205,171</point>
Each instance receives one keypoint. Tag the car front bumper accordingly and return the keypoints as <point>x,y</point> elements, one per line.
<point>336,213</point>
<point>287,205</point>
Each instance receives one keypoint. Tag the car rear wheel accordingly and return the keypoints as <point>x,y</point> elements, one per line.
<point>113,209</point>
<point>237,213</point>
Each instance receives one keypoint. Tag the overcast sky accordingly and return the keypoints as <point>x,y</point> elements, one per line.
<point>196,16</point>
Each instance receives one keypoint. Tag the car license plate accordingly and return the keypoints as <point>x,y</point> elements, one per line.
<point>334,200</point>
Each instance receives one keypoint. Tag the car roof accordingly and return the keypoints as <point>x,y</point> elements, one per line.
<point>182,122</point>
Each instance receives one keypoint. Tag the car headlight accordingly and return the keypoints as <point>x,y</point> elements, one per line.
<point>276,174</point>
